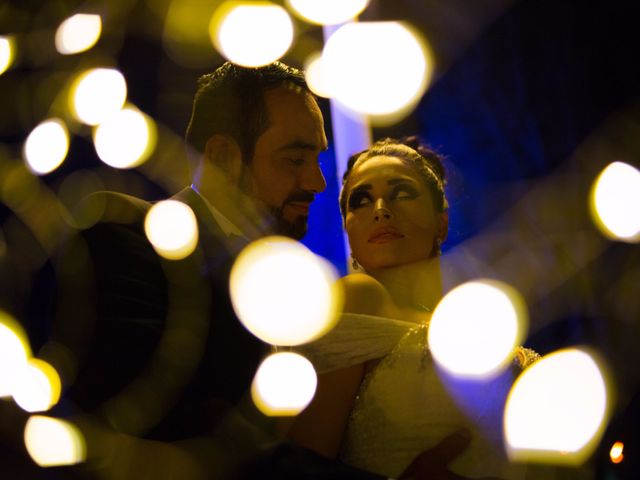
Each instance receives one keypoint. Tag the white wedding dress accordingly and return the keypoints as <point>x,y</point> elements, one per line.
<point>406,404</point>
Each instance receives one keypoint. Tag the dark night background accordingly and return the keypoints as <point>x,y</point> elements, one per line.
<point>530,100</point>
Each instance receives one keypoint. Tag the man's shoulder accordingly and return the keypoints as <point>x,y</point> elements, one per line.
<point>109,226</point>
<point>107,207</point>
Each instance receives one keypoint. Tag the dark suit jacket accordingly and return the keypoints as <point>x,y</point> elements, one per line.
<point>157,350</point>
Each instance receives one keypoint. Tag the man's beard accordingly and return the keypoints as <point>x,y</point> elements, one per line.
<point>296,228</point>
<point>279,225</point>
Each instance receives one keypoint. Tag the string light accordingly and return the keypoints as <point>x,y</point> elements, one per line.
<point>556,409</point>
<point>172,229</point>
<point>283,293</point>
<point>46,146</point>
<point>284,384</point>
<point>78,33</point>
<point>251,34</point>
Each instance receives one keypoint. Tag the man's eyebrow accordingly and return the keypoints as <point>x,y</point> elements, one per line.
<point>300,145</point>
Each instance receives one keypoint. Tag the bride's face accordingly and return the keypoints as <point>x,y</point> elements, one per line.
<point>390,217</point>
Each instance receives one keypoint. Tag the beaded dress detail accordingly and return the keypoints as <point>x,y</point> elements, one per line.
<point>406,404</point>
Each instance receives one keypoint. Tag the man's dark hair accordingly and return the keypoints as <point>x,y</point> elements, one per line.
<point>230,101</point>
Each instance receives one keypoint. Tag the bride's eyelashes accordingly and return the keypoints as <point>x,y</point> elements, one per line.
<point>360,197</point>
<point>404,190</point>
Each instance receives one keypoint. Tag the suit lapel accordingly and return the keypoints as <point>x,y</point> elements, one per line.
<point>218,248</point>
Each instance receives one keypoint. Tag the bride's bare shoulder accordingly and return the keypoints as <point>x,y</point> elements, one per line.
<point>364,294</point>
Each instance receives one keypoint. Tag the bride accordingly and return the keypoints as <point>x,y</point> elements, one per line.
<point>380,399</point>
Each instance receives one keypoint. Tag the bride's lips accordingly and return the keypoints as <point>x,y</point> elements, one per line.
<point>385,235</point>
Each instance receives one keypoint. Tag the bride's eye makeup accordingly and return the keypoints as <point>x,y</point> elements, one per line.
<point>404,191</point>
<point>359,198</point>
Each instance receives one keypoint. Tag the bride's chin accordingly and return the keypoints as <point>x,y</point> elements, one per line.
<point>380,264</point>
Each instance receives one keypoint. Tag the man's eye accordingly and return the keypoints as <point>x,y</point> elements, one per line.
<point>298,162</point>
<point>359,199</point>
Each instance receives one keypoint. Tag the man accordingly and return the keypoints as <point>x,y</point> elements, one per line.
<point>264,133</point>
<point>158,358</point>
<point>153,348</point>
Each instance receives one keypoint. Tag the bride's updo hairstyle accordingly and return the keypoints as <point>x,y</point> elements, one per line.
<point>427,162</point>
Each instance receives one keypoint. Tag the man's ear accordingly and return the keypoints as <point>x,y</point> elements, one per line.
<point>224,153</point>
<point>443,226</point>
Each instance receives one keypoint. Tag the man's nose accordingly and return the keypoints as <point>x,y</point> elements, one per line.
<point>380,210</point>
<point>313,180</point>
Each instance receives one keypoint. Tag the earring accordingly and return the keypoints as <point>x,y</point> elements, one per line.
<point>354,263</point>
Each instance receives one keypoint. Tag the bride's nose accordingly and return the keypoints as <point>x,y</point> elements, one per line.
<point>381,211</point>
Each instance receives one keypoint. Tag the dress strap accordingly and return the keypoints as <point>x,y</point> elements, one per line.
<point>356,338</point>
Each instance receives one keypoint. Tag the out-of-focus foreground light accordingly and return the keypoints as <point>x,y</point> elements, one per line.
<point>377,68</point>
<point>614,201</point>
<point>6,53</point>
<point>251,34</point>
<point>556,410</point>
<point>126,139</point>
<point>78,33</point>
<point>52,442</point>
<point>14,352</point>
<point>616,453</point>
<point>283,293</point>
<point>96,94</point>
<point>328,12</point>
<point>47,146</point>
<point>172,229</point>
<point>316,77</point>
<point>186,30</point>
<point>38,386</point>
<point>475,328</point>
<point>284,384</point>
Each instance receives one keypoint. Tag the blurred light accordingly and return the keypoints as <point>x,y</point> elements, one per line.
<point>78,33</point>
<point>556,409</point>
<point>251,34</point>
<point>172,229</point>
<point>284,384</point>
<point>186,30</point>
<point>75,187</point>
<point>377,68</point>
<point>283,293</point>
<point>615,197</point>
<point>126,139</point>
<point>328,12</point>
<point>98,93</point>
<point>316,76</point>
<point>52,442</point>
<point>38,387</point>
<point>14,352</point>
<point>7,53</point>
<point>615,453</point>
<point>475,328</point>
<point>3,253</point>
<point>47,146</point>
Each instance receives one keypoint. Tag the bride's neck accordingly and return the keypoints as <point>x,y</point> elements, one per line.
<point>416,285</point>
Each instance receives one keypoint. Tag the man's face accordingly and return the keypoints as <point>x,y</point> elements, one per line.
<point>284,173</point>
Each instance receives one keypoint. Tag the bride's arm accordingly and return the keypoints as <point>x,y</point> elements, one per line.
<point>321,426</point>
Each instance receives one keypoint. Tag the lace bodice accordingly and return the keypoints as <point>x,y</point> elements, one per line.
<point>406,404</point>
